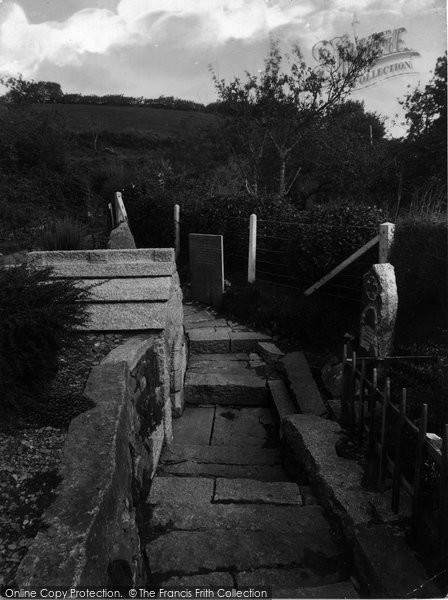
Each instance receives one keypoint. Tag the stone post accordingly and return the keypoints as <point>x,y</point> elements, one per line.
<point>379,311</point>
<point>177,230</point>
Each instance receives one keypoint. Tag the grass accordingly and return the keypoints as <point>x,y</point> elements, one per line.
<point>89,117</point>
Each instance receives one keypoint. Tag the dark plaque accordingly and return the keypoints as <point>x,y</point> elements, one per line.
<point>207,268</point>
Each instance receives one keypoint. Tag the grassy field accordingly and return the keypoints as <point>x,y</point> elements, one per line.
<point>163,122</point>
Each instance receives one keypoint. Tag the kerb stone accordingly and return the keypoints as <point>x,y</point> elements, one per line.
<point>302,384</point>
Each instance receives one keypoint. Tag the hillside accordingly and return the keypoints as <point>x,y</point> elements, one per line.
<point>163,122</point>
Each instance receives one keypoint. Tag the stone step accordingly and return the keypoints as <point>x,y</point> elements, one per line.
<point>242,388</point>
<point>225,455</point>
<point>251,427</point>
<point>302,383</point>
<point>223,339</point>
<point>282,400</point>
<point>291,583</point>
<point>203,324</point>
<point>294,520</point>
<point>193,552</point>
<point>181,490</point>
<point>252,491</point>
<point>219,357</point>
<point>194,469</point>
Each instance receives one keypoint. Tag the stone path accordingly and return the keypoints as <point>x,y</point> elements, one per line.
<point>224,511</point>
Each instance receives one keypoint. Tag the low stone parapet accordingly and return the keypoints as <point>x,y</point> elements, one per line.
<point>91,536</point>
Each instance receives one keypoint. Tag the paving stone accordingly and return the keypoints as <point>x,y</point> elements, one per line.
<point>205,580</point>
<point>247,490</point>
<point>181,490</point>
<point>215,366</point>
<point>195,426</point>
<point>243,388</point>
<point>226,455</point>
<point>282,399</point>
<point>211,323</point>
<point>290,583</point>
<point>293,520</point>
<point>247,427</point>
<point>192,552</point>
<point>303,386</point>
<point>391,569</point>
<point>219,357</point>
<point>207,340</point>
<point>258,472</point>
<point>246,341</point>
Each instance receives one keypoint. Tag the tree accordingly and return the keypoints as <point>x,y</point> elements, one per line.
<point>424,148</point>
<point>31,92</point>
<point>273,109</point>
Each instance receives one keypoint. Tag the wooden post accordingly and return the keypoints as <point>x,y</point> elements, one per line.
<point>372,411</point>
<point>383,449</point>
<point>385,243</point>
<point>351,396</point>
<point>111,215</point>
<point>120,211</point>
<point>361,402</point>
<point>444,493</point>
<point>423,426</point>
<point>177,230</point>
<point>252,258</point>
<point>396,485</point>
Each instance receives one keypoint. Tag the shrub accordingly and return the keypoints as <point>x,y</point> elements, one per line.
<point>419,255</point>
<point>37,319</point>
<point>63,234</point>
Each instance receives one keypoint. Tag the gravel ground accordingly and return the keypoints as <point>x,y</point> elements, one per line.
<point>31,450</point>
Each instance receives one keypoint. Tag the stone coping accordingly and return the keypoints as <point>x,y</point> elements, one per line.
<point>42,258</point>
<point>93,511</point>
<point>384,562</point>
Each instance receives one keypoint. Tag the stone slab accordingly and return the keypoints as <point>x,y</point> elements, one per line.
<point>296,582</point>
<point>302,383</point>
<point>343,589</point>
<point>207,340</point>
<point>292,520</point>
<point>215,366</point>
<point>212,323</point>
<point>269,352</point>
<point>195,426</point>
<point>181,490</point>
<point>218,357</point>
<point>244,427</point>
<point>46,258</point>
<point>206,255</point>
<point>336,481</point>
<point>79,270</point>
<point>195,469</point>
<point>226,388</point>
<point>147,289</point>
<point>281,397</point>
<point>205,580</point>
<point>121,238</point>
<point>193,552</point>
<point>226,455</point>
<point>251,491</point>
<point>246,341</point>
<point>126,316</point>
<point>390,567</point>
<point>132,350</point>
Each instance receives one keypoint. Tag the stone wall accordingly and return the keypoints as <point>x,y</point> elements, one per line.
<point>132,290</point>
<point>91,536</point>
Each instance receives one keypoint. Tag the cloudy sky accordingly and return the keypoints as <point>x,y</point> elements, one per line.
<point>154,47</point>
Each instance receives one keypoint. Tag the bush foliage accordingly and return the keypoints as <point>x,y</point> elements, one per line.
<point>420,257</point>
<point>63,234</point>
<point>37,319</point>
